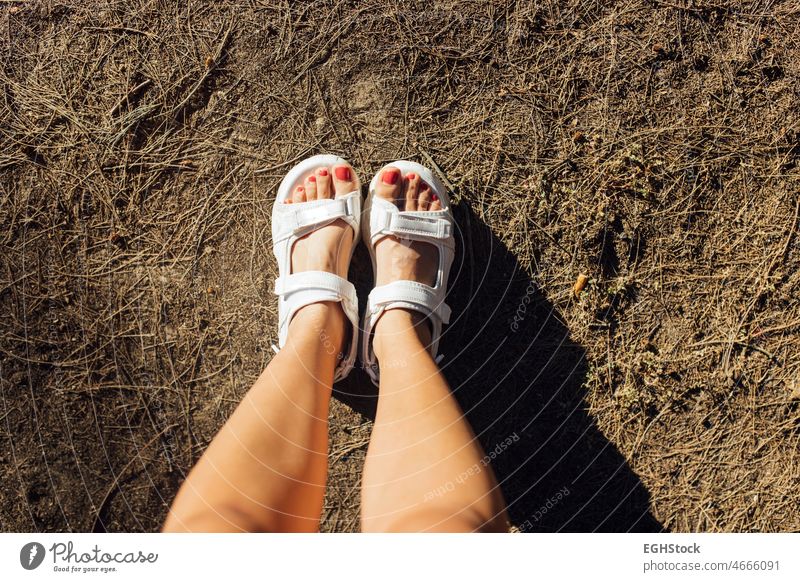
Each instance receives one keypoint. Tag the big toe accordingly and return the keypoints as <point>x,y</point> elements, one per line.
<point>344,180</point>
<point>390,185</point>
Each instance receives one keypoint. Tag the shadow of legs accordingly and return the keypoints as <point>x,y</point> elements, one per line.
<point>519,377</point>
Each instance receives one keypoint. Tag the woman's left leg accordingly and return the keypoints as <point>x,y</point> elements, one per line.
<point>266,469</point>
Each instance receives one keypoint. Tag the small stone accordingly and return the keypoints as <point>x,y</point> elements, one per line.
<point>580,283</point>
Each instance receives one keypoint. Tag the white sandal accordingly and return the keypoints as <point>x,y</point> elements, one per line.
<point>432,227</point>
<point>293,221</point>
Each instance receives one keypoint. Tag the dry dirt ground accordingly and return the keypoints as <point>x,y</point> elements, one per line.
<point>650,145</point>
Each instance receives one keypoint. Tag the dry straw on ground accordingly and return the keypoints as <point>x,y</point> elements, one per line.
<point>650,145</point>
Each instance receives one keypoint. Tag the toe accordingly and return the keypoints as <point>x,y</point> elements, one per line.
<point>389,184</point>
<point>436,204</point>
<point>299,194</point>
<point>424,199</point>
<point>412,191</point>
<point>344,179</point>
<point>323,183</point>
<point>311,187</point>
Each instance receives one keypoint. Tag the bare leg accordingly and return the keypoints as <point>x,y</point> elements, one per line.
<point>424,469</point>
<point>266,469</point>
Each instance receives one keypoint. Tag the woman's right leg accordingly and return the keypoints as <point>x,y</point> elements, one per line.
<point>425,469</point>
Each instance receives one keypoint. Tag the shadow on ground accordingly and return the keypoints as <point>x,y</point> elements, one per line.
<point>519,377</point>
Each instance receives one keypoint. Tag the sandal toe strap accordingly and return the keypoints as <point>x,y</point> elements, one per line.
<point>296,220</point>
<point>385,219</point>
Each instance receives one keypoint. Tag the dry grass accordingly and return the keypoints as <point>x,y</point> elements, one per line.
<point>650,145</point>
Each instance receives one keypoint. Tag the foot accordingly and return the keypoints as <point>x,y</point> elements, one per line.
<point>327,248</point>
<point>405,260</point>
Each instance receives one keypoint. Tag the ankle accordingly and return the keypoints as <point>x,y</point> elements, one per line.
<point>400,330</point>
<point>323,324</point>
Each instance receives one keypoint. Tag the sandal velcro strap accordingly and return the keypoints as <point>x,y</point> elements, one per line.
<point>317,213</point>
<point>317,281</point>
<point>390,221</point>
<point>308,287</point>
<point>410,295</point>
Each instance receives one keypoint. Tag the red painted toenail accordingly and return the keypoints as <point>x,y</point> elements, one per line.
<point>323,172</point>
<point>411,176</point>
<point>434,197</point>
<point>390,177</point>
<point>300,188</point>
<point>343,173</point>
<point>312,178</point>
